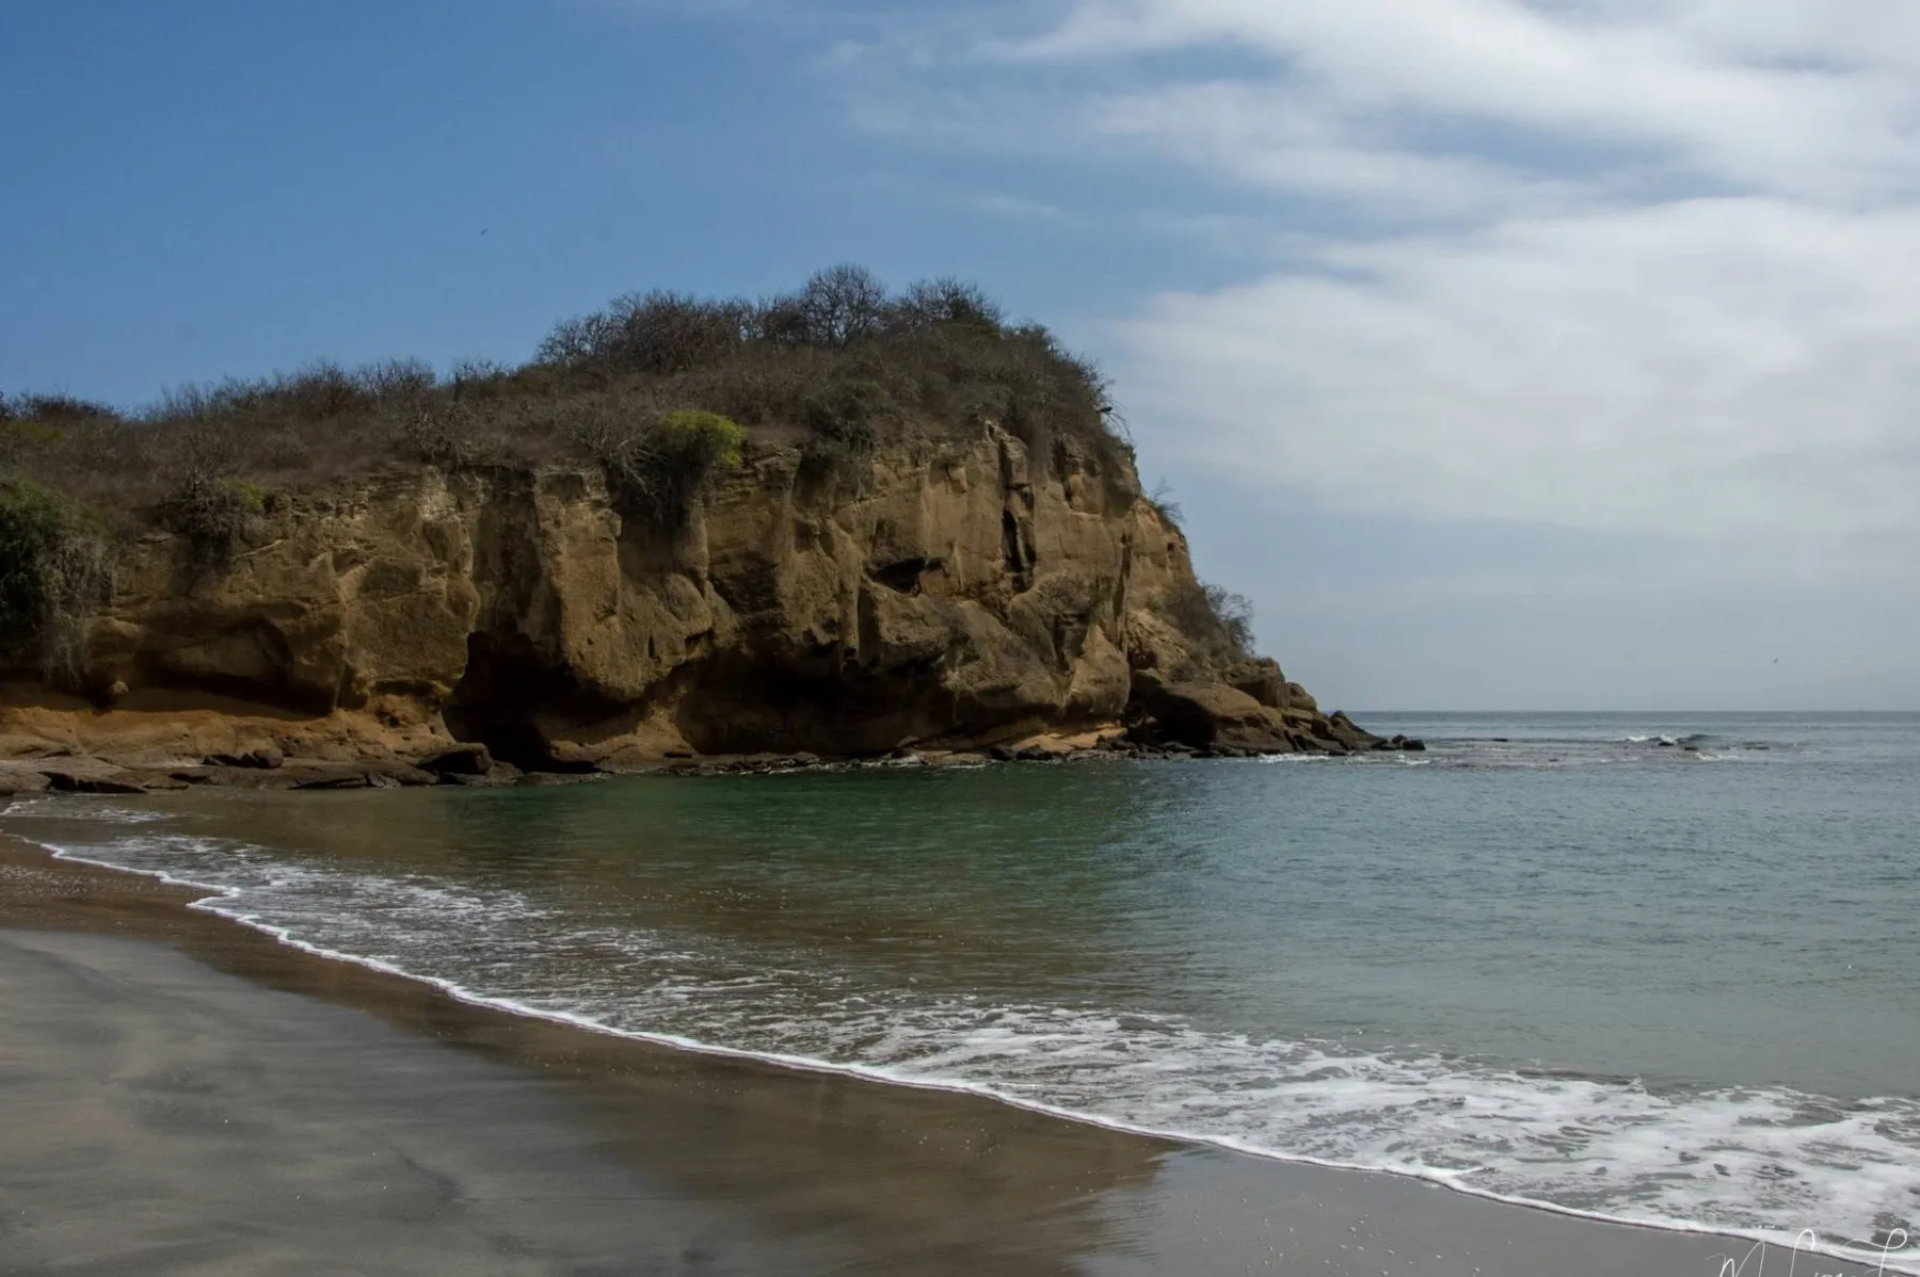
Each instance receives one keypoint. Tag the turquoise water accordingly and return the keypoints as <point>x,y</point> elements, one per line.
<point>1655,967</point>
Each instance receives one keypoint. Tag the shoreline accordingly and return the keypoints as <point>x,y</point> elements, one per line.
<point>471,764</point>
<point>43,893</point>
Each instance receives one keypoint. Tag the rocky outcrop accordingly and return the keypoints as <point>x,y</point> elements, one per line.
<point>960,594</point>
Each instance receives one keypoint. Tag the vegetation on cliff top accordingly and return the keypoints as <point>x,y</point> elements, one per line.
<point>831,369</point>
<point>661,390</point>
<point>55,568</point>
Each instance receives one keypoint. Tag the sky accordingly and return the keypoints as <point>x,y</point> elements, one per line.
<point>1508,354</point>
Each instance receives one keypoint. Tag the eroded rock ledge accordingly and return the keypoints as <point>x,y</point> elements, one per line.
<point>959,600</point>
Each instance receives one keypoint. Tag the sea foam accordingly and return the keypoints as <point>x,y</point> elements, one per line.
<point>1754,1162</point>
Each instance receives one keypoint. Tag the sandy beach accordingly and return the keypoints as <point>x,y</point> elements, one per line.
<point>185,1096</point>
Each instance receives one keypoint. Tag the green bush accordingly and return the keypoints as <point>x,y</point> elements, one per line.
<point>700,441</point>
<point>212,514</point>
<point>20,438</point>
<point>844,421</point>
<point>55,571</point>
<point>655,470</point>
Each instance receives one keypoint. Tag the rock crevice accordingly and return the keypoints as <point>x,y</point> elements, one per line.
<point>958,597</point>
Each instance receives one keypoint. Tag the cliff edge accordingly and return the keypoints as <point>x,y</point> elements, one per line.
<point>931,592</point>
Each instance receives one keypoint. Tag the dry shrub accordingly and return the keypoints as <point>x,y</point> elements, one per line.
<point>840,361</point>
<point>205,501</point>
<point>845,421</point>
<point>1218,622</point>
<point>656,463</point>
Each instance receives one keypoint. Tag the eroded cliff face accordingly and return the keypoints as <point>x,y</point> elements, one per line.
<point>957,595</point>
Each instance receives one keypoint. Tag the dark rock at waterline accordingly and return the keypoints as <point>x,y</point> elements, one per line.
<point>92,782</point>
<point>264,758</point>
<point>21,782</point>
<point>363,776</point>
<point>497,776</point>
<point>467,759</point>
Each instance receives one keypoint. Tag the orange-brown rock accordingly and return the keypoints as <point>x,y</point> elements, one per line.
<point>959,594</point>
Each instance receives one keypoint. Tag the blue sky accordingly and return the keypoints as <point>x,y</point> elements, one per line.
<point>1507,354</point>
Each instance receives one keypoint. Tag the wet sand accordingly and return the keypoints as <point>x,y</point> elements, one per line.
<point>181,1095</point>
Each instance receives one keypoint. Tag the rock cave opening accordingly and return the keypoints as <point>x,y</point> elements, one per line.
<point>500,696</point>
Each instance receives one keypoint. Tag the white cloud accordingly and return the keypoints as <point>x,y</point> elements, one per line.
<point>1282,138</point>
<point>1638,266</point>
<point>1725,368</point>
<point>1618,264</point>
<point>1665,76</point>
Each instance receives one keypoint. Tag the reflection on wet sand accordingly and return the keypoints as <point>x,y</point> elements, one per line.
<point>913,1181</point>
<point>798,1172</point>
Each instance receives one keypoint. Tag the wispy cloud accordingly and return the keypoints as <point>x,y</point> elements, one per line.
<point>1729,368</point>
<point>1636,265</point>
<point>1003,205</point>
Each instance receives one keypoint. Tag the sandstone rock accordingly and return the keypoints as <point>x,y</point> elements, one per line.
<point>1260,679</point>
<point>962,595</point>
<point>21,782</point>
<point>1341,728</point>
<point>1208,714</point>
<point>459,760</point>
<point>358,776</point>
<point>94,781</point>
<point>266,758</point>
<point>158,780</point>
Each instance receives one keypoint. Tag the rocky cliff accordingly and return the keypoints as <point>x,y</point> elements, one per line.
<point>959,595</point>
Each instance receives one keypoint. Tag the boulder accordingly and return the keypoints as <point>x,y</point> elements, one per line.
<point>1341,728</point>
<point>21,782</point>
<point>1260,679</point>
<point>469,759</point>
<point>68,781</point>
<point>1203,714</point>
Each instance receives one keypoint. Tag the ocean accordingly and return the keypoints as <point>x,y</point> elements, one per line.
<point>1660,968</point>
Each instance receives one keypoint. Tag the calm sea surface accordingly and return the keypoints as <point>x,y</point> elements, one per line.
<point>1656,967</point>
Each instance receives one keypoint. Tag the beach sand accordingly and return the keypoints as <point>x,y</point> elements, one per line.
<point>181,1095</point>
